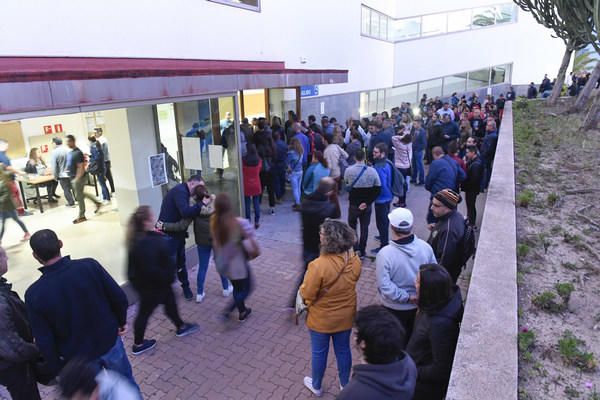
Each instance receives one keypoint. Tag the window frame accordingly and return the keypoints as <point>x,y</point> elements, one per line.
<point>232,3</point>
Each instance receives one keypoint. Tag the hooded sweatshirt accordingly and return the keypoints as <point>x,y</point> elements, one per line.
<point>394,381</point>
<point>397,265</point>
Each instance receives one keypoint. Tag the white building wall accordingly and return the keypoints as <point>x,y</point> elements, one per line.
<point>326,33</point>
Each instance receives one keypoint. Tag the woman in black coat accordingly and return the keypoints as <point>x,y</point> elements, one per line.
<point>435,333</point>
<point>151,271</point>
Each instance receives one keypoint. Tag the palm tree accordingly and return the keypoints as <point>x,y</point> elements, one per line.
<point>584,61</point>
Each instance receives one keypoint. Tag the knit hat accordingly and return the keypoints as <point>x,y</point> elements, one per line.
<point>448,197</point>
<point>401,219</point>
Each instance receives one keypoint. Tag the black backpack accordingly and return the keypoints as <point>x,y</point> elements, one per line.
<point>467,243</point>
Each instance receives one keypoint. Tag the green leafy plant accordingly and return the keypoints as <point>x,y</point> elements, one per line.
<point>569,265</point>
<point>571,238</point>
<point>571,392</point>
<point>547,301</point>
<point>552,199</point>
<point>564,290</point>
<point>523,249</point>
<point>521,103</point>
<point>526,340</point>
<point>570,349</point>
<point>525,198</point>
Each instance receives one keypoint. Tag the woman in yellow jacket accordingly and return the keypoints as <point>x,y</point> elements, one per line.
<point>329,291</point>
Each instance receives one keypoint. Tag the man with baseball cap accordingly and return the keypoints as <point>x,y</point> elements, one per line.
<point>397,265</point>
<point>447,234</point>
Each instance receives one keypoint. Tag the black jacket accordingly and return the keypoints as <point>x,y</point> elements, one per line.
<point>474,175</point>
<point>446,241</point>
<point>394,381</point>
<point>432,346</point>
<point>150,263</point>
<point>314,209</point>
<point>75,309</point>
<point>16,341</point>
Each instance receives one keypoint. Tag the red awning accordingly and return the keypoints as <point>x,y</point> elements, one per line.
<point>29,84</point>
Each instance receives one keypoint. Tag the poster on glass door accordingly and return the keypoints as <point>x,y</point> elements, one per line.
<point>158,169</point>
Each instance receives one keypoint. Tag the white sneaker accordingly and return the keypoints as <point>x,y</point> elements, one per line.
<point>227,292</point>
<point>199,297</point>
<point>309,385</point>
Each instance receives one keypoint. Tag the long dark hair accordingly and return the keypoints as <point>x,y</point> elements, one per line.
<point>135,226</point>
<point>223,223</point>
<point>251,159</point>
<point>322,160</point>
<point>435,287</point>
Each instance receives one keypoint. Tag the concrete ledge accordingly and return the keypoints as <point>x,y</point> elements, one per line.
<point>486,360</point>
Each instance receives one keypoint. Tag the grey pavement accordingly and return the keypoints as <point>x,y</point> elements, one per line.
<point>267,356</point>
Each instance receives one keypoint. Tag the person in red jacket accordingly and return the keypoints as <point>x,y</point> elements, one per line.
<point>251,166</point>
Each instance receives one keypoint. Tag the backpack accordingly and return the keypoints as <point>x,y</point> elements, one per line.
<point>398,187</point>
<point>468,247</point>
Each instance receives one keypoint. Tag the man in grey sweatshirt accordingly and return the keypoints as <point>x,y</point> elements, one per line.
<point>397,265</point>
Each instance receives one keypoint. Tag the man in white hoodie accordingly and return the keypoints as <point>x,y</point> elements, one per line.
<point>397,265</point>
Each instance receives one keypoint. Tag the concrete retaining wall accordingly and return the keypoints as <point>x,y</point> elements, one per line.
<point>486,360</point>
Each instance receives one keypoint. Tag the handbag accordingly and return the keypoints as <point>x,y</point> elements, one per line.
<point>302,308</point>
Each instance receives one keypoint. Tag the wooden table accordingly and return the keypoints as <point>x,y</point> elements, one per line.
<point>36,181</point>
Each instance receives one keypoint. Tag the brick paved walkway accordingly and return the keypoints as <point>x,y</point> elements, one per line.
<point>267,356</point>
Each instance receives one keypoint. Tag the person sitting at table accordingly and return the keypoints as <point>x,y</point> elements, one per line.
<point>36,165</point>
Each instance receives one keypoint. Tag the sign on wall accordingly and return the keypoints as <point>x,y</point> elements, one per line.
<point>47,129</point>
<point>158,169</point>
<point>309,90</point>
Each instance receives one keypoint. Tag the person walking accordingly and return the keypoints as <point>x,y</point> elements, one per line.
<point>323,203</point>
<point>107,164</point>
<point>433,343</point>
<point>444,173</point>
<point>418,149</point>
<point>251,167</point>
<point>294,169</point>
<point>175,207</point>
<point>234,243</point>
<point>329,291</point>
<point>279,166</point>
<point>403,155</point>
<point>488,152</point>
<point>397,265</point>
<point>318,170</point>
<point>7,205</point>
<point>363,184</point>
<point>336,159</point>
<point>60,168</point>
<point>151,271</point>
<point>78,176</point>
<point>76,309</point>
<point>388,373</point>
<point>385,170</point>
<point>202,237</point>
<point>263,140</point>
<point>447,234</point>
<point>472,185</point>
<point>97,166</point>
<point>18,352</point>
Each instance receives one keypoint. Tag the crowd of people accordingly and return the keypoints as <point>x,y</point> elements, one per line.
<point>70,326</point>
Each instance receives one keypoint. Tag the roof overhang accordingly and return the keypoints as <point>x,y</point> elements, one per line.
<point>36,84</point>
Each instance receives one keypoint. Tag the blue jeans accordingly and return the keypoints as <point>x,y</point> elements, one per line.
<point>203,260</point>
<point>255,200</point>
<point>102,181</point>
<point>383,223</point>
<point>319,343</point>
<point>296,183</point>
<point>116,360</point>
<point>418,170</point>
<point>278,172</point>
<point>13,215</point>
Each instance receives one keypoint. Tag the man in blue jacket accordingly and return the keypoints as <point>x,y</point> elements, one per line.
<point>444,173</point>
<point>450,130</point>
<point>488,152</point>
<point>383,201</point>
<point>175,207</point>
<point>76,309</point>
<point>418,147</point>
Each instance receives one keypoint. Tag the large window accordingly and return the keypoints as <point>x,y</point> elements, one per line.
<point>432,88</point>
<point>380,26</point>
<point>478,78</point>
<point>395,96</point>
<point>253,5</point>
<point>454,83</point>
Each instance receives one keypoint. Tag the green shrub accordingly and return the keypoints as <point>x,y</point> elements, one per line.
<point>571,353</point>
<point>525,198</point>
<point>552,199</point>
<point>526,340</point>
<point>521,103</point>
<point>569,265</point>
<point>571,238</point>
<point>564,290</point>
<point>522,249</point>
<point>546,301</point>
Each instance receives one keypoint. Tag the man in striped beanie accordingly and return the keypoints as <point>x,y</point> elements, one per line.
<point>447,234</point>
